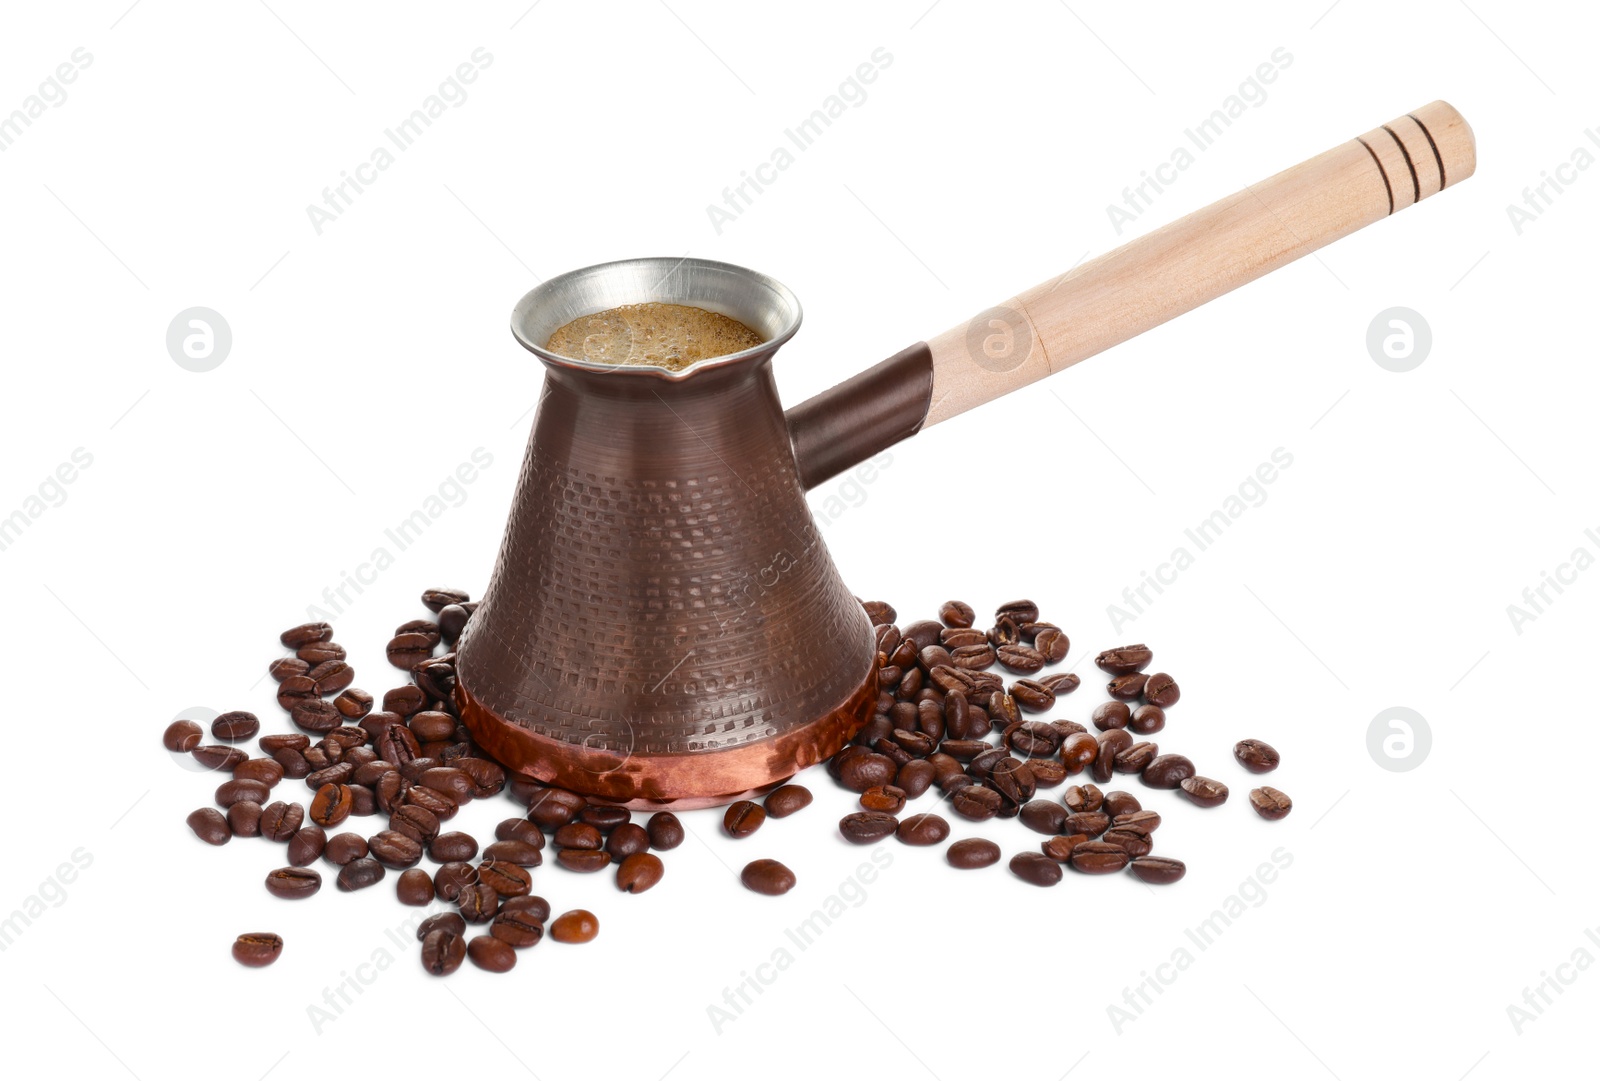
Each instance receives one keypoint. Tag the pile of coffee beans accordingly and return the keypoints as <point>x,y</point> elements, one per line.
<point>409,762</point>
<point>947,722</point>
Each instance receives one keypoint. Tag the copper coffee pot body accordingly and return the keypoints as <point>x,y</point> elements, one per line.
<point>664,624</point>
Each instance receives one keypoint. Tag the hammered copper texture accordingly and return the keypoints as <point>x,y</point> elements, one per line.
<point>662,592</point>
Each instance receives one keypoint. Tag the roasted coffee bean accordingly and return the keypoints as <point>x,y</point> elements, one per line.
<point>1032,696</point>
<point>450,847</point>
<point>1003,709</point>
<point>887,636</point>
<point>972,658</point>
<point>370,773</point>
<point>307,845</point>
<point>786,800</point>
<point>1204,792</point>
<point>624,841</point>
<point>437,678</point>
<point>278,741</point>
<point>1148,720</point>
<point>353,703</point>
<point>343,848</point>
<point>293,883</point>
<point>867,827</point>
<point>1068,728</point>
<point>1134,843</point>
<point>1047,772</point>
<point>420,824</point>
<point>1085,797</point>
<point>244,818</point>
<point>1079,751</point>
<point>210,826</point>
<point>982,767</point>
<point>930,718</point>
<point>491,954</point>
<point>666,832</point>
<point>336,773</point>
<point>1124,659</point>
<point>296,690</point>
<point>952,637</point>
<point>518,929</point>
<point>1167,771</point>
<point>1127,688</point>
<point>923,830</point>
<point>1098,858</point>
<point>1043,816</point>
<point>1023,611</point>
<point>181,736</point>
<point>235,726</point>
<point>443,951</point>
<point>1136,757</point>
<point>453,782</point>
<point>1157,870</point>
<point>441,921</point>
<point>1053,644</point>
<point>579,835</point>
<point>505,878</point>
<point>555,807</point>
<point>580,925</point>
<point>1020,658</point>
<point>305,634</point>
<point>1255,756</point>
<point>230,792</point>
<point>639,872</point>
<point>1036,869</point>
<point>1120,803</point>
<point>884,797</point>
<point>914,778</point>
<point>452,621</point>
<point>363,801</point>
<point>1093,823</point>
<point>976,802</point>
<point>1161,690</point>
<point>406,651</point>
<point>924,632</point>
<point>315,715</point>
<point>331,677</point>
<point>284,667</point>
<point>1138,821</point>
<point>403,702</point>
<point>394,849</point>
<point>520,829</point>
<point>933,656</point>
<point>331,805</point>
<point>1012,778</point>
<point>970,853</point>
<point>1061,848</point>
<point>212,756</point>
<point>280,820</point>
<point>266,770</point>
<point>390,792</point>
<point>879,612</point>
<point>1270,803</point>
<point>1109,715</point>
<point>741,819</point>
<point>451,878</point>
<point>293,762</point>
<point>443,807</point>
<point>431,726</point>
<point>1033,739</point>
<point>964,750</point>
<point>957,614</point>
<point>257,949</point>
<point>478,902</point>
<point>436,599</point>
<point>1112,743</point>
<point>764,876</point>
<point>1061,683</point>
<point>914,744</point>
<point>864,771</point>
<point>583,860</point>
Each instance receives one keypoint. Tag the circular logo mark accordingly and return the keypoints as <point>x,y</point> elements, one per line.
<point>1000,339</point>
<point>1399,739</point>
<point>1399,339</point>
<point>202,716</point>
<point>199,339</point>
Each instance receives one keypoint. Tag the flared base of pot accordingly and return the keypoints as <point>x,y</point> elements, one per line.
<point>676,782</point>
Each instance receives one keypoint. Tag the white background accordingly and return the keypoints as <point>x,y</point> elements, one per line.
<point>369,361</point>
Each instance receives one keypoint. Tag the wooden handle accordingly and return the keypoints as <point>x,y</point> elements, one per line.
<point>1198,258</point>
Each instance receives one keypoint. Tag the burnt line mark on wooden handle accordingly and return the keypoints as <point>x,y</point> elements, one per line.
<point>1387,187</point>
<point>1437,158</point>
<point>1416,185</point>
